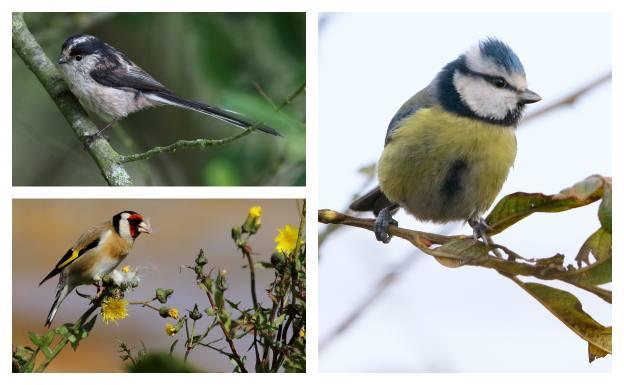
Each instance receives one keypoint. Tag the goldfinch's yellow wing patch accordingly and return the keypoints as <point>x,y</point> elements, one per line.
<point>70,256</point>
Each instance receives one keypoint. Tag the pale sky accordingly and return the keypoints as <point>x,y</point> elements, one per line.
<point>467,319</point>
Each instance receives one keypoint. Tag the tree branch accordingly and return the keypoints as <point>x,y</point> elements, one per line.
<point>183,143</point>
<point>568,99</point>
<point>469,253</point>
<point>29,50</point>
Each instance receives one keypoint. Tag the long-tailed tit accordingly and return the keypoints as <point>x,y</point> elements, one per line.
<point>111,85</point>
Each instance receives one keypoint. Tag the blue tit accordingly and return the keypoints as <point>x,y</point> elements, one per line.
<point>449,148</point>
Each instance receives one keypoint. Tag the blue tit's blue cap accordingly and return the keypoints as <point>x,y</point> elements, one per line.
<point>501,54</point>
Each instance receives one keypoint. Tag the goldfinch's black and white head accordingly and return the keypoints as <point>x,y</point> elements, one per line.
<point>129,224</point>
<point>487,82</point>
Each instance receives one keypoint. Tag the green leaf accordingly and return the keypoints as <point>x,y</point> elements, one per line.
<point>47,352</point>
<point>263,265</point>
<point>599,272</point>
<point>594,351</point>
<point>278,321</point>
<point>604,211</point>
<point>517,206</point>
<point>172,347</point>
<point>48,337</point>
<point>62,331</point>
<point>36,339</point>
<point>456,252</point>
<point>88,326</point>
<point>568,309</point>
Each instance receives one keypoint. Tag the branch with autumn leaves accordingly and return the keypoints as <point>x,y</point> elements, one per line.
<point>593,261</point>
<point>273,330</point>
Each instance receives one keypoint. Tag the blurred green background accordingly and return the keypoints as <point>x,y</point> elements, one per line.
<point>246,62</point>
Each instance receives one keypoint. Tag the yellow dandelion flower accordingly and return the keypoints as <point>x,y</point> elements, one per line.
<point>286,239</point>
<point>170,329</point>
<point>255,212</point>
<point>114,309</point>
<point>302,332</point>
<point>126,269</point>
<point>173,313</point>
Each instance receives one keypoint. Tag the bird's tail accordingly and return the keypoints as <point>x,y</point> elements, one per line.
<point>221,114</point>
<point>62,291</point>
<point>374,201</point>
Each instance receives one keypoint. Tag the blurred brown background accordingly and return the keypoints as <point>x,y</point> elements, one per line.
<point>43,230</point>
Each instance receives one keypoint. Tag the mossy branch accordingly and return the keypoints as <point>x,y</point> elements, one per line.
<point>182,144</point>
<point>29,50</point>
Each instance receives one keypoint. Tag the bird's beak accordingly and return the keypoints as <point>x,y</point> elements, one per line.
<point>62,60</point>
<point>144,227</point>
<point>528,96</point>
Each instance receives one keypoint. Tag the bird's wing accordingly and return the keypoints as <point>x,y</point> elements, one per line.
<point>423,99</point>
<point>128,78</point>
<point>87,241</point>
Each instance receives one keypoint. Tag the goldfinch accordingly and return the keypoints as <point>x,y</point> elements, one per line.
<point>96,253</point>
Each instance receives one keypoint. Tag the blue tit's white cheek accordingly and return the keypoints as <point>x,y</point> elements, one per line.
<point>483,98</point>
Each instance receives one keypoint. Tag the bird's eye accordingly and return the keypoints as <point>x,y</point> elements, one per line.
<point>499,82</point>
<point>78,57</point>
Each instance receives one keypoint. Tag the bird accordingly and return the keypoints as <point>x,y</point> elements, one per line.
<point>113,86</point>
<point>449,148</point>
<point>97,252</point>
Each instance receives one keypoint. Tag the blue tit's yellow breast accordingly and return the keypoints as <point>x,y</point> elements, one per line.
<point>441,166</point>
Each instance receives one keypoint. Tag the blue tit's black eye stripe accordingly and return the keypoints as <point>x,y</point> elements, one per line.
<point>451,101</point>
<point>494,80</point>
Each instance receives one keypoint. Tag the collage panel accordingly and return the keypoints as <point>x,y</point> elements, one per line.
<point>229,90</point>
<point>159,285</point>
<point>161,187</point>
<point>474,205</point>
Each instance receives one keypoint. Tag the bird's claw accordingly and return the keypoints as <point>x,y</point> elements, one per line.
<point>382,223</point>
<point>100,289</point>
<point>90,138</point>
<point>479,231</point>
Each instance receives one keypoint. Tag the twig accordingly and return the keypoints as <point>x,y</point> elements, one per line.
<point>29,50</point>
<point>252,278</point>
<point>568,99</point>
<point>183,143</point>
<point>423,241</point>
<point>375,294</point>
<point>203,143</point>
<point>235,356</point>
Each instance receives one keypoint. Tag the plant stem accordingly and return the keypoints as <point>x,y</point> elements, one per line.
<point>235,356</point>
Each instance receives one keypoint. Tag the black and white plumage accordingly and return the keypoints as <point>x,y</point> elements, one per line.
<point>111,85</point>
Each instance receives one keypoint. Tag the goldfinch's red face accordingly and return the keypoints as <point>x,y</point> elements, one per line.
<point>130,224</point>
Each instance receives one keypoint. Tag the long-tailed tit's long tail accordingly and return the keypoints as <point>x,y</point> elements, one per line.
<point>224,115</point>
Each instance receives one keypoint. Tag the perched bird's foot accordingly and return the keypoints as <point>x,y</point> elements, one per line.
<point>382,223</point>
<point>100,288</point>
<point>90,138</point>
<point>479,231</point>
